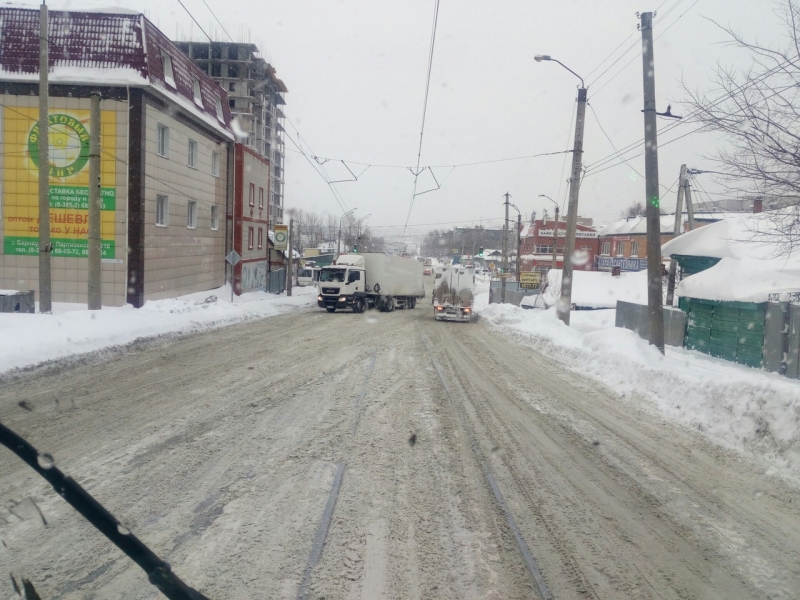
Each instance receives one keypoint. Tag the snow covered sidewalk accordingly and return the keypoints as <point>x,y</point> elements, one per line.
<point>29,339</point>
<point>748,410</point>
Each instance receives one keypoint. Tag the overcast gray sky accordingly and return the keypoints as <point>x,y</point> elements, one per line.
<point>356,71</point>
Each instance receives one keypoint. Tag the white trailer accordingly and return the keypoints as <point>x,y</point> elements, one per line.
<point>362,281</point>
<point>452,298</point>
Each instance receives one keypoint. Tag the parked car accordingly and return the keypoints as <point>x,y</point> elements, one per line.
<point>427,271</point>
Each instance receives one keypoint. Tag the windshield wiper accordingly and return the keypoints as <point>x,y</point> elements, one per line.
<point>158,571</point>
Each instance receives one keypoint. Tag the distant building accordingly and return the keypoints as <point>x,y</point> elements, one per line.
<point>255,96</point>
<point>537,246</point>
<point>165,135</point>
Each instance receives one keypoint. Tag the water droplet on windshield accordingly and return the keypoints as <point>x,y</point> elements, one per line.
<point>45,461</point>
<point>122,529</point>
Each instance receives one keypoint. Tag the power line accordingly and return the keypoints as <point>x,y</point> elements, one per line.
<point>195,20</point>
<point>324,178</point>
<point>609,139</point>
<point>217,20</point>
<point>424,105</point>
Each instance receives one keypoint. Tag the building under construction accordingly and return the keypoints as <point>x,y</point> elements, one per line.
<point>256,97</point>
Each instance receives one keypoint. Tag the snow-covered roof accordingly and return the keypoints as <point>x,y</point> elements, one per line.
<point>115,48</point>
<point>634,225</point>
<point>756,258</point>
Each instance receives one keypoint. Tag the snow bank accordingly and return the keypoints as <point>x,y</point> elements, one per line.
<point>744,409</point>
<point>596,289</point>
<point>72,329</point>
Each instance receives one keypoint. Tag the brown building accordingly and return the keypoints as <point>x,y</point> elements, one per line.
<point>536,252</point>
<point>250,230</point>
<point>165,134</point>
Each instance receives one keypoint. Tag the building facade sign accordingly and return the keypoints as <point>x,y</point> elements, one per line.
<point>562,233</point>
<point>606,263</point>
<point>281,237</point>
<point>69,182</point>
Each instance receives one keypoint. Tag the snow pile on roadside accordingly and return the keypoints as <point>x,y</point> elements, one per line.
<point>750,411</point>
<point>598,289</point>
<point>30,339</point>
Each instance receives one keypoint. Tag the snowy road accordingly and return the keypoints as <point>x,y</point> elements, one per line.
<point>219,450</point>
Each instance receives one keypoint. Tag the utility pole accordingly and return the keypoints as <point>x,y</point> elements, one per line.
<point>505,255</point>
<point>95,273</point>
<point>676,232</point>
<point>689,205</point>
<point>45,247</point>
<point>654,283</point>
<point>289,253</point>
<point>519,243</point>
<point>555,241</point>
<point>564,305</point>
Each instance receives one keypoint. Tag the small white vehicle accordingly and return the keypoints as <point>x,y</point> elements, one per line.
<point>305,277</point>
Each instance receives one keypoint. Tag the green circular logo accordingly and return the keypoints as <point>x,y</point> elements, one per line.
<point>68,145</point>
<point>280,237</point>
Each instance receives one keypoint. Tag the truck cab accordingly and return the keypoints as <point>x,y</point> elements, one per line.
<point>342,285</point>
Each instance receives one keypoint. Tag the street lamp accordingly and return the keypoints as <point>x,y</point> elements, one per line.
<point>565,302</point>
<point>339,238</point>
<point>358,226</point>
<point>555,230</point>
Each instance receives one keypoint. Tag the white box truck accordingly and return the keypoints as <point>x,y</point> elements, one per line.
<point>362,281</point>
<point>452,298</point>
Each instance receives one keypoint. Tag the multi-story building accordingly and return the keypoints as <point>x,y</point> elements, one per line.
<point>536,252</point>
<point>164,134</point>
<point>255,97</point>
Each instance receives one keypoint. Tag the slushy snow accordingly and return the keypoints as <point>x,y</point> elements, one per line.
<point>30,339</point>
<point>744,409</point>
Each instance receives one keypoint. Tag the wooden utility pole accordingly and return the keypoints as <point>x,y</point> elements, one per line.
<point>564,304</point>
<point>505,255</point>
<point>676,232</point>
<point>519,243</point>
<point>95,272</point>
<point>689,205</point>
<point>289,259</point>
<point>45,247</point>
<point>654,282</point>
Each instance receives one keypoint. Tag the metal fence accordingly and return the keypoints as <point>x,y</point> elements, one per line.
<point>514,293</point>
<point>636,318</point>
<point>276,281</point>
<point>782,339</point>
<point>21,302</point>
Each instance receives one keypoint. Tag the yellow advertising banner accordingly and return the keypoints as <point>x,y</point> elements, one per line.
<point>529,279</point>
<point>69,181</point>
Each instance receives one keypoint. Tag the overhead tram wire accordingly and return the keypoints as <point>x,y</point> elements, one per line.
<point>599,124</point>
<point>425,105</point>
<point>191,16</point>
<point>217,20</point>
<point>342,205</point>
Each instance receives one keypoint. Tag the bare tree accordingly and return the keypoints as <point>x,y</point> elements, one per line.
<point>637,209</point>
<point>758,112</point>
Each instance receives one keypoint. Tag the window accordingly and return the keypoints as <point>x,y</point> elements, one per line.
<point>218,107</point>
<point>193,154</point>
<point>198,97</point>
<point>620,248</point>
<point>162,210</point>
<point>634,249</point>
<point>163,140</point>
<point>261,197</point>
<point>166,62</point>
<point>215,217</point>
<point>215,164</point>
<point>232,103</point>
<point>605,248</point>
<point>250,238</point>
<point>252,194</point>
<point>191,215</point>
<point>260,238</point>
<point>232,86</point>
<point>542,249</point>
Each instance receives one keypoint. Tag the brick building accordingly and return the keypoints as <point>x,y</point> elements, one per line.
<point>165,136</point>
<point>536,252</point>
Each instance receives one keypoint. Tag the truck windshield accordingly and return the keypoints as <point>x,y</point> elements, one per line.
<point>332,275</point>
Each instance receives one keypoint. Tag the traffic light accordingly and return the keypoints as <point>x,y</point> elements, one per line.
<point>355,248</point>
<point>480,251</point>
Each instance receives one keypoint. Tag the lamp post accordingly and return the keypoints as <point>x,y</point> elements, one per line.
<point>339,238</point>
<point>555,230</point>
<point>358,227</point>
<point>565,302</point>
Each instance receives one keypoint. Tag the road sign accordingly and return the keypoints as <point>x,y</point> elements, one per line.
<point>233,258</point>
<point>281,237</point>
<point>530,279</point>
<point>491,266</point>
<point>504,275</point>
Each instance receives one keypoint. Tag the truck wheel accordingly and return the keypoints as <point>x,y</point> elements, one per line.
<point>330,309</point>
<point>358,306</point>
<point>412,303</point>
<point>390,305</point>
